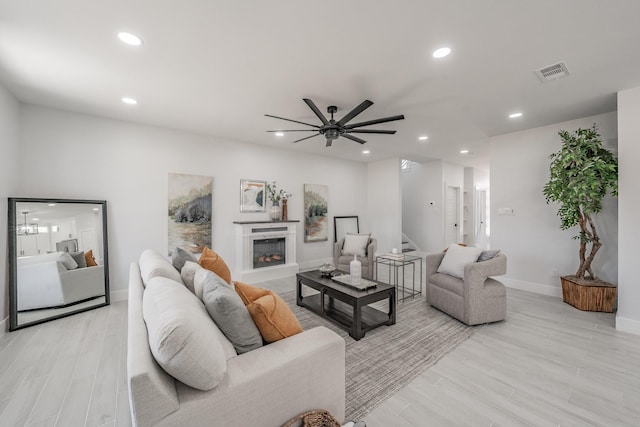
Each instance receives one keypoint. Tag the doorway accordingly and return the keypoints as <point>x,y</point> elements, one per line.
<point>452,215</point>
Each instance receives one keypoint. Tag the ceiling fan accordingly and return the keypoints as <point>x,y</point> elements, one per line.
<point>332,129</point>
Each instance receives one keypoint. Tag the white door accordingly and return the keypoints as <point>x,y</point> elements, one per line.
<point>452,210</point>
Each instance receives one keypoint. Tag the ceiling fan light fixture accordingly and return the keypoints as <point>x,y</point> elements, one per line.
<point>441,52</point>
<point>129,38</point>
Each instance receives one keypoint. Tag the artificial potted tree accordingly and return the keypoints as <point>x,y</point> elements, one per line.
<point>582,173</point>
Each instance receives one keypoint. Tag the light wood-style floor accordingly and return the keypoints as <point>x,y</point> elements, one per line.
<point>548,364</point>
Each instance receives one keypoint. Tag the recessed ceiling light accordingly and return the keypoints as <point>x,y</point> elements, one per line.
<point>279,133</point>
<point>51,204</point>
<point>515,115</point>
<point>464,151</point>
<point>35,219</point>
<point>423,138</point>
<point>366,152</point>
<point>129,38</point>
<point>96,209</point>
<point>129,101</point>
<point>442,52</point>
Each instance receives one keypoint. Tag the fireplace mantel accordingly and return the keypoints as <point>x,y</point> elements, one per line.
<point>249,231</point>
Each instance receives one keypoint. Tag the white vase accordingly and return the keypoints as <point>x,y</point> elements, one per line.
<point>355,270</point>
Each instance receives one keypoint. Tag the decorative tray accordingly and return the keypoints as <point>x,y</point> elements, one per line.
<point>345,279</point>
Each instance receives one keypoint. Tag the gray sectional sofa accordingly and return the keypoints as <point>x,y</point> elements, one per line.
<point>263,387</point>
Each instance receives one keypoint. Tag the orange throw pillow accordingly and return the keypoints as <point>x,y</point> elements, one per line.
<point>214,262</point>
<point>249,293</point>
<point>269,312</point>
<point>88,257</point>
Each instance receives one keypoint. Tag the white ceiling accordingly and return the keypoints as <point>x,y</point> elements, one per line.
<point>216,67</point>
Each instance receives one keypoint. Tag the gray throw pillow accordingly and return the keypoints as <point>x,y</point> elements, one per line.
<point>78,257</point>
<point>188,273</point>
<point>230,314</point>
<point>488,254</point>
<point>180,256</point>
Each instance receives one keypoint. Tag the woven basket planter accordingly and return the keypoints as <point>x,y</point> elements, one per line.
<point>589,295</point>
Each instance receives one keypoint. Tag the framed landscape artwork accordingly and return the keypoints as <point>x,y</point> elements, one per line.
<point>189,212</point>
<point>316,227</point>
<point>252,195</point>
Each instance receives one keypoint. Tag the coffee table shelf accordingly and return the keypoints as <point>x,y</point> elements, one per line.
<point>347,307</point>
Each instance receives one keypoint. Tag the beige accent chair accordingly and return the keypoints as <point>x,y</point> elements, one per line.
<point>342,262</point>
<point>475,300</point>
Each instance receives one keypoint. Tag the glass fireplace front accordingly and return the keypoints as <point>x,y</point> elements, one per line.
<point>269,252</point>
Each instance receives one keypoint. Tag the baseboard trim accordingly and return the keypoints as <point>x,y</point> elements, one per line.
<point>119,295</point>
<point>538,288</point>
<point>631,326</point>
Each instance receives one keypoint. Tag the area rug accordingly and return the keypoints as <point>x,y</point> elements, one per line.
<point>389,357</point>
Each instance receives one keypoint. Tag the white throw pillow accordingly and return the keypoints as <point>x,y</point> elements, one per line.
<point>456,258</point>
<point>182,337</point>
<point>355,244</point>
<point>68,261</point>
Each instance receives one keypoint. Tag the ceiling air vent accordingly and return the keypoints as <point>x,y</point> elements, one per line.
<point>553,72</point>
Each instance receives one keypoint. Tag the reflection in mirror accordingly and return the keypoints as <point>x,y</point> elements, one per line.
<point>58,258</point>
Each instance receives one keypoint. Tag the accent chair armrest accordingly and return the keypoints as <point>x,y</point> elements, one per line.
<point>476,273</point>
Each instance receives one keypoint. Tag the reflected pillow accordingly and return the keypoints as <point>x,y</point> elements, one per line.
<point>66,260</point>
<point>214,262</point>
<point>78,257</point>
<point>90,260</point>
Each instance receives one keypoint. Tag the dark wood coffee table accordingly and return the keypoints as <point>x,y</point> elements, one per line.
<point>352,312</point>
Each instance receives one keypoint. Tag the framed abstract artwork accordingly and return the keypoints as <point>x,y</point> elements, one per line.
<point>316,198</point>
<point>252,195</point>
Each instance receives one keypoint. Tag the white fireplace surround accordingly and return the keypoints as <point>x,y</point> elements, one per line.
<point>247,232</point>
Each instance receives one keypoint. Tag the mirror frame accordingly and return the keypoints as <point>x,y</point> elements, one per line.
<point>12,242</point>
<point>345,222</point>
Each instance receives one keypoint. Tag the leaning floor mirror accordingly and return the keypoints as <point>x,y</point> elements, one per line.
<point>58,259</point>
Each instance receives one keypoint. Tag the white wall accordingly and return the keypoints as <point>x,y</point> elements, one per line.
<point>628,316</point>
<point>384,203</point>
<point>532,239</point>
<point>9,138</point>
<point>78,156</point>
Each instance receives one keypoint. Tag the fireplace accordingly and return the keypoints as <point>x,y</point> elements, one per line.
<point>265,250</point>
<point>269,252</point>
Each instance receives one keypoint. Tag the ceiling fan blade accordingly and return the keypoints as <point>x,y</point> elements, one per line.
<point>387,132</point>
<point>294,121</point>
<point>306,137</point>
<point>359,109</point>
<point>354,138</point>
<point>317,112</point>
<point>373,122</point>
<point>294,130</point>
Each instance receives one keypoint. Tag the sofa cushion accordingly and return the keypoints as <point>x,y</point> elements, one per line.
<point>188,273</point>
<point>182,336</point>
<point>456,258</point>
<point>230,314</point>
<point>214,262</point>
<point>355,244</point>
<point>271,314</point>
<point>450,283</point>
<point>89,259</point>
<point>180,256</point>
<point>152,264</point>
